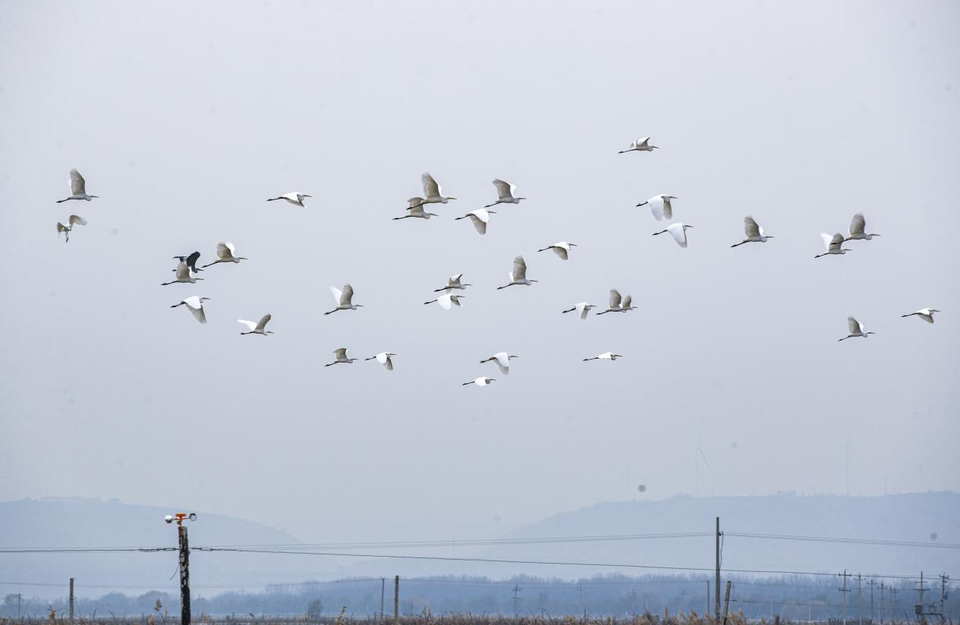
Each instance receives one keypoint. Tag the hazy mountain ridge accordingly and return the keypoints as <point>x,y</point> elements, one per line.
<point>917,517</point>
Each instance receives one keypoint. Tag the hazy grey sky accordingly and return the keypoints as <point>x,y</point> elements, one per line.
<point>185,117</point>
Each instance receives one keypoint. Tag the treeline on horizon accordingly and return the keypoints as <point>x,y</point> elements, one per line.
<point>789,597</point>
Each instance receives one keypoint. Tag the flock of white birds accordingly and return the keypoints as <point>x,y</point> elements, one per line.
<point>661,208</point>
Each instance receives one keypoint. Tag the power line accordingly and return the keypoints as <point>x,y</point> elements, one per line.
<point>507,541</point>
<point>394,556</point>
<point>853,541</point>
<point>86,549</point>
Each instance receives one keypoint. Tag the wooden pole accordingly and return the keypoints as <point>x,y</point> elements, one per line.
<point>726,602</point>
<point>71,600</point>
<point>184,576</point>
<point>717,582</point>
<point>396,600</point>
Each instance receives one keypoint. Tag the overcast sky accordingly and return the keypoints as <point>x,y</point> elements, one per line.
<point>185,117</point>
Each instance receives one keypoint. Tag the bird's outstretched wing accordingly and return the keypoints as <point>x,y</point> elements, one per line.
<point>679,234</point>
<point>251,326</point>
<point>77,219</point>
<point>337,295</point>
<point>854,325</point>
<point>658,208</point>
<point>183,271</point>
<point>198,312</point>
<point>857,224</point>
<point>751,227</point>
<point>263,322</point>
<point>192,260</point>
<point>340,353</point>
<point>78,185</point>
<point>347,298</point>
<point>614,299</point>
<point>504,189</point>
<point>627,301</point>
<point>836,241</point>
<point>827,240</point>
<point>430,187</point>
<point>667,208</point>
<point>479,222</point>
<point>519,269</point>
<point>560,251</point>
<point>224,250</point>
<point>445,301</point>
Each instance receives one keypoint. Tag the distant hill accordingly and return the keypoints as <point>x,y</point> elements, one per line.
<point>928,518</point>
<point>75,522</point>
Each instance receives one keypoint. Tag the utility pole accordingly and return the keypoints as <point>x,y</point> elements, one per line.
<point>516,591</point>
<point>844,592</point>
<point>708,598</point>
<point>944,580</point>
<point>383,584</point>
<point>633,602</point>
<point>717,581</point>
<point>19,597</point>
<point>71,600</point>
<point>396,600</point>
<point>893,603</point>
<point>726,602</point>
<point>180,517</point>
<point>882,588</point>
<point>859,588</point>
<point>872,582</point>
<point>580,595</point>
<point>919,606</point>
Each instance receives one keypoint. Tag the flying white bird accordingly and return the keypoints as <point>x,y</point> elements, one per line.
<point>660,206</point>
<point>503,361</point>
<point>183,276</point>
<point>856,330</point>
<point>618,304</point>
<point>453,283</point>
<point>447,301</point>
<point>74,219</point>
<point>415,210</point>
<point>384,358</point>
<point>582,309</point>
<point>604,356</point>
<point>344,299</point>
<point>640,145</point>
<point>678,231</point>
<point>505,194</point>
<point>432,192</point>
<point>754,232</point>
<point>78,188</point>
<point>340,356</point>
<point>518,275</point>
<point>857,226</point>
<point>294,198</point>
<point>480,382</point>
<point>833,244</point>
<point>924,313</point>
<point>191,260</point>
<point>256,328</point>
<point>195,305</point>
<point>562,249</point>
<point>226,253</point>
<point>479,217</point>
